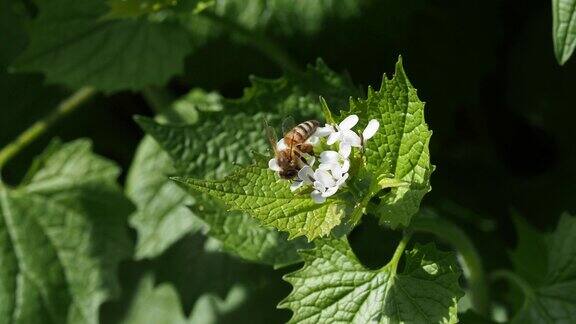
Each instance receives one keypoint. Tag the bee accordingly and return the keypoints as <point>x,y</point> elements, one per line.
<point>291,158</point>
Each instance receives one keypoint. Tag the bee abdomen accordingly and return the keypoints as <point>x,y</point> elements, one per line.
<point>301,132</point>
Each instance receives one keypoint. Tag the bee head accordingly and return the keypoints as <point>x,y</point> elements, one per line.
<point>288,174</point>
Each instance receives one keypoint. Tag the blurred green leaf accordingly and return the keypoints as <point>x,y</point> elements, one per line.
<point>13,35</point>
<point>161,217</point>
<point>552,298</point>
<point>469,317</point>
<point>153,305</point>
<point>334,286</point>
<point>237,291</point>
<point>74,45</point>
<point>564,25</point>
<point>530,243</point>
<point>285,16</point>
<point>63,233</point>
<point>135,8</point>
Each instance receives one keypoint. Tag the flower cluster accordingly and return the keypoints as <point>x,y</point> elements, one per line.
<point>332,171</point>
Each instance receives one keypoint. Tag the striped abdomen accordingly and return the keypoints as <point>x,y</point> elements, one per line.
<point>301,133</point>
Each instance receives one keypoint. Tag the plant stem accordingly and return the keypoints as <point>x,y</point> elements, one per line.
<point>265,45</point>
<point>40,127</point>
<point>514,279</point>
<point>473,269</point>
<point>393,264</point>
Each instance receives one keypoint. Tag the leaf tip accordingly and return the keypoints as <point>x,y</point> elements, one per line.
<point>142,121</point>
<point>178,179</point>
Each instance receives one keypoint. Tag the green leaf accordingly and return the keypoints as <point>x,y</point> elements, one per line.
<point>261,193</point>
<point>62,236</point>
<point>530,243</point>
<point>216,287</point>
<point>74,45</point>
<point>161,217</point>
<point>286,17</point>
<point>12,31</point>
<point>333,286</point>
<point>241,235</point>
<point>152,304</point>
<point>210,150</point>
<point>135,8</point>
<point>399,152</point>
<point>564,25</point>
<point>552,298</point>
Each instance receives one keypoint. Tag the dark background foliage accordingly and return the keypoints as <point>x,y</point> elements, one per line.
<point>500,107</point>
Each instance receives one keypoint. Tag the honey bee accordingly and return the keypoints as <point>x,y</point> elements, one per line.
<point>291,158</point>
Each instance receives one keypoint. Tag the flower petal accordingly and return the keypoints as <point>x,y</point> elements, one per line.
<point>317,197</point>
<point>325,178</point>
<point>273,165</point>
<point>333,138</point>
<point>342,180</point>
<point>295,185</point>
<point>336,171</point>
<point>325,166</point>
<point>313,140</point>
<point>281,145</point>
<point>310,160</point>
<point>319,186</point>
<point>330,191</point>
<point>324,131</point>
<point>329,157</point>
<point>349,122</point>
<point>345,150</point>
<point>306,175</point>
<point>350,137</point>
<point>371,129</point>
<point>345,166</point>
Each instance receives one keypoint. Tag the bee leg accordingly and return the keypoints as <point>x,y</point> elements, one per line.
<point>306,148</point>
<point>304,151</point>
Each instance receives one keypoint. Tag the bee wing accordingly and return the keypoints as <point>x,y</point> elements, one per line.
<point>288,124</point>
<point>271,136</point>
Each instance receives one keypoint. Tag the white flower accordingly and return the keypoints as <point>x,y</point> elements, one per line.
<point>305,176</point>
<point>281,145</point>
<point>324,186</point>
<point>345,134</point>
<point>370,130</point>
<point>332,172</point>
<point>319,133</point>
<point>335,162</point>
<point>273,165</point>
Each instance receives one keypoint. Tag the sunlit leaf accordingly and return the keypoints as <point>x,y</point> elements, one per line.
<point>333,286</point>
<point>399,152</point>
<point>564,25</point>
